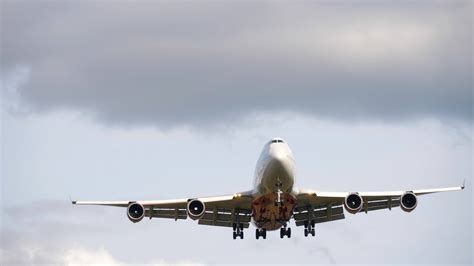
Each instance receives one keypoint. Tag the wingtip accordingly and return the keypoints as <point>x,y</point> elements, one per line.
<point>72,201</point>
<point>463,184</point>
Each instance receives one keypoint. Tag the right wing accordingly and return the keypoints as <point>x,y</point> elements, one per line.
<point>320,206</point>
<point>219,211</point>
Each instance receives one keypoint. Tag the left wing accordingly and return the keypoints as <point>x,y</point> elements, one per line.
<point>217,211</point>
<point>319,206</point>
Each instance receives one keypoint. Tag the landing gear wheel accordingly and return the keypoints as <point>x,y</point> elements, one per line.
<point>260,233</point>
<point>285,232</point>
<point>238,231</point>
<point>309,228</point>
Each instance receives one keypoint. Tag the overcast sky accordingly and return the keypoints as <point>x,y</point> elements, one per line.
<point>126,100</point>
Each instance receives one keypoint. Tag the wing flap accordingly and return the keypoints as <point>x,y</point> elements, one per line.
<point>318,214</point>
<point>323,219</point>
<point>225,217</point>
<point>220,223</point>
<point>388,203</point>
<point>177,214</point>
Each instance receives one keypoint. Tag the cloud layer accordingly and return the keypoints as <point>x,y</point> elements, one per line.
<point>169,64</point>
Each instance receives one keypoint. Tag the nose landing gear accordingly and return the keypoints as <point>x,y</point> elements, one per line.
<point>279,200</point>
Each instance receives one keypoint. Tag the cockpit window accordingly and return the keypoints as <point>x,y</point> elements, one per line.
<point>277,141</point>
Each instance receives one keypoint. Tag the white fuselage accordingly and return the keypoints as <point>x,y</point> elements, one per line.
<point>275,168</point>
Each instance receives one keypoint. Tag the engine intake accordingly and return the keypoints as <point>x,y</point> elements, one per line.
<point>408,201</point>
<point>196,209</point>
<point>353,203</point>
<point>135,212</point>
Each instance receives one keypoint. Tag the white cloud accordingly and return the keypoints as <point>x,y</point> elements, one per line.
<point>10,82</point>
<point>28,254</point>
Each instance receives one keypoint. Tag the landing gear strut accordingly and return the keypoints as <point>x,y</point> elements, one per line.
<point>284,231</point>
<point>279,200</point>
<point>309,228</point>
<point>261,232</point>
<point>238,231</point>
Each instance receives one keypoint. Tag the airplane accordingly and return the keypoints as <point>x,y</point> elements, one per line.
<point>272,202</point>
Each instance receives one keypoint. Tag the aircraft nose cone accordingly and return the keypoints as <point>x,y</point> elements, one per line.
<point>281,161</point>
<point>279,158</point>
<point>278,152</point>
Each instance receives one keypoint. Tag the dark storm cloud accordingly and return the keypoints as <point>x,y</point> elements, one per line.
<point>171,64</point>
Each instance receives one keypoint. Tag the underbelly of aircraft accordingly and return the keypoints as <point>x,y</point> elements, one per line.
<point>270,214</point>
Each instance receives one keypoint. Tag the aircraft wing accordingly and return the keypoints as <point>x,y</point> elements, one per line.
<point>219,211</point>
<point>320,206</point>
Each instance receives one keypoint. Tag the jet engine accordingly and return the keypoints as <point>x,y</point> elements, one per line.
<point>196,209</point>
<point>135,212</point>
<point>353,203</point>
<point>408,201</point>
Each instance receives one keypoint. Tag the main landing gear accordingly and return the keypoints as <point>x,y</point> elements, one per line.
<point>261,232</point>
<point>309,228</point>
<point>238,231</point>
<point>284,231</point>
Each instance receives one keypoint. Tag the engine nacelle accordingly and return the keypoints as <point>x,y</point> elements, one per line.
<point>408,201</point>
<point>195,209</point>
<point>135,212</point>
<point>353,203</point>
